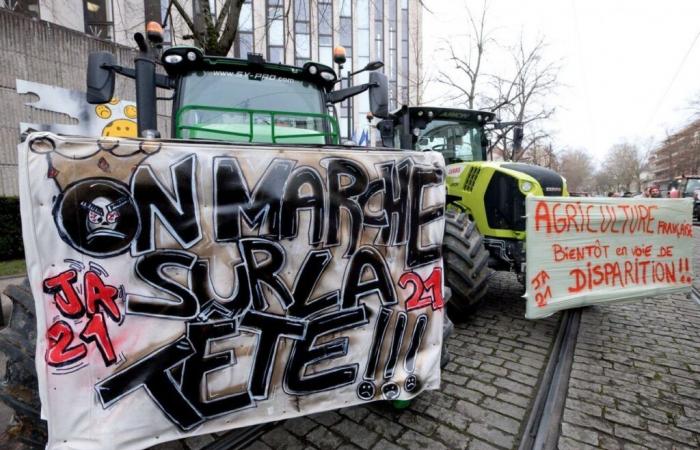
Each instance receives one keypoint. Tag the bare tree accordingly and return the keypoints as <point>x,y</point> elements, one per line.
<point>624,165</point>
<point>542,155</point>
<point>524,97</point>
<point>213,34</point>
<point>576,165</point>
<point>467,57</point>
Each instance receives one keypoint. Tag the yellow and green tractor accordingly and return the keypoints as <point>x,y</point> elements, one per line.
<point>485,221</point>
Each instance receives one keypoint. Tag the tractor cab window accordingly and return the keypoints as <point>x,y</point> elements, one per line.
<point>691,185</point>
<point>457,141</point>
<point>246,107</point>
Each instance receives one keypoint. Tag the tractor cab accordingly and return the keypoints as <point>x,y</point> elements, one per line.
<point>235,100</point>
<point>458,134</point>
<point>250,100</point>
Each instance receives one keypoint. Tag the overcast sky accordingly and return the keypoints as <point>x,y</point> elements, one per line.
<point>629,67</point>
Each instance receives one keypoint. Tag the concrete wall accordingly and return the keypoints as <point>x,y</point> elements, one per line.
<point>45,53</point>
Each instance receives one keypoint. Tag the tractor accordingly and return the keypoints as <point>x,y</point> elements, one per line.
<point>485,218</point>
<point>214,98</point>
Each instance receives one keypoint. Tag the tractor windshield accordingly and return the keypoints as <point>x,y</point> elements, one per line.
<point>457,141</point>
<point>691,185</point>
<point>247,107</point>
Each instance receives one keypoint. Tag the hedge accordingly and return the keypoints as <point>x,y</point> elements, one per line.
<point>10,229</point>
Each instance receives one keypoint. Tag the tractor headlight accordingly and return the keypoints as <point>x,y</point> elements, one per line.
<point>173,59</point>
<point>328,76</point>
<point>525,186</point>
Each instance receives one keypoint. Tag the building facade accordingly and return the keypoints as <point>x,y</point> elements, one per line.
<point>287,31</point>
<point>677,155</point>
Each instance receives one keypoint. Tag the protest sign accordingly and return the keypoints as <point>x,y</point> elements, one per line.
<point>586,251</point>
<point>185,288</point>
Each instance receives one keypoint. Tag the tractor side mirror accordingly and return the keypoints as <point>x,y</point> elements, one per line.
<point>386,131</point>
<point>379,96</point>
<point>100,78</point>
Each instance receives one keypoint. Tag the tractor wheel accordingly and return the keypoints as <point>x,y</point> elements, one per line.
<point>19,389</point>
<point>466,264</point>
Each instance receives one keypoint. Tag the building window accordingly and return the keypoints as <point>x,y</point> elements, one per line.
<point>275,31</point>
<point>26,7</point>
<point>244,36</point>
<point>345,36</point>
<point>325,32</point>
<point>379,29</point>
<point>361,102</point>
<point>155,11</point>
<point>393,63</point>
<point>98,19</point>
<point>302,32</point>
<point>404,52</point>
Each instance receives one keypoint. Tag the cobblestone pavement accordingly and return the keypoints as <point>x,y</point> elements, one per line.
<point>486,392</point>
<point>635,380</point>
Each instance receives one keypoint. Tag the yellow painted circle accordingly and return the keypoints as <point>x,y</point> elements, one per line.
<point>130,111</point>
<point>103,111</point>
<point>114,101</point>
<point>120,128</point>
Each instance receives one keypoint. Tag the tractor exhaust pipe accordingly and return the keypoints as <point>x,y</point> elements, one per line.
<point>145,71</point>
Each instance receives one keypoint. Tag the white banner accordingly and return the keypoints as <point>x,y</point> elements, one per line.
<point>186,288</point>
<point>588,251</point>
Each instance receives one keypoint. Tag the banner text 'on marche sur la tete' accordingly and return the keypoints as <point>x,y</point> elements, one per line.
<point>185,288</point>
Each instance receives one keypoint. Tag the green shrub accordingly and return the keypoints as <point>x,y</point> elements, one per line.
<point>10,229</point>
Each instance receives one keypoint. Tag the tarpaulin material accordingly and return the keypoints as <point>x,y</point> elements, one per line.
<point>185,288</point>
<point>591,251</point>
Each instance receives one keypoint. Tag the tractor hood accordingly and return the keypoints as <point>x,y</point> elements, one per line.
<point>551,182</point>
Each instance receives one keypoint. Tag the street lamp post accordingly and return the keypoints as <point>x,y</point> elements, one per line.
<point>340,58</point>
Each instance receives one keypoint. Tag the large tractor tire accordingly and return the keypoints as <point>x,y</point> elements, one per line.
<point>19,389</point>
<point>466,264</point>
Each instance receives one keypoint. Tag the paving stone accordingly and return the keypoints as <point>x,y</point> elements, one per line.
<point>198,442</point>
<point>356,413</point>
<point>414,441</point>
<point>566,443</point>
<point>580,434</point>
<point>386,445</point>
<point>451,438</point>
<point>491,435</point>
<point>486,389</point>
<point>355,433</point>
<point>328,418</point>
<point>379,424</point>
<point>322,437</point>
<point>506,408</point>
<point>463,393</point>
<point>476,444</point>
<point>624,418</point>
<point>300,426</point>
<point>514,386</point>
<point>258,445</point>
<point>279,438</point>
<point>478,414</point>
<point>514,399</point>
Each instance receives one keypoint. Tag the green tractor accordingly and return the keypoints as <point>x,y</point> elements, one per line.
<point>485,221</point>
<point>217,98</point>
